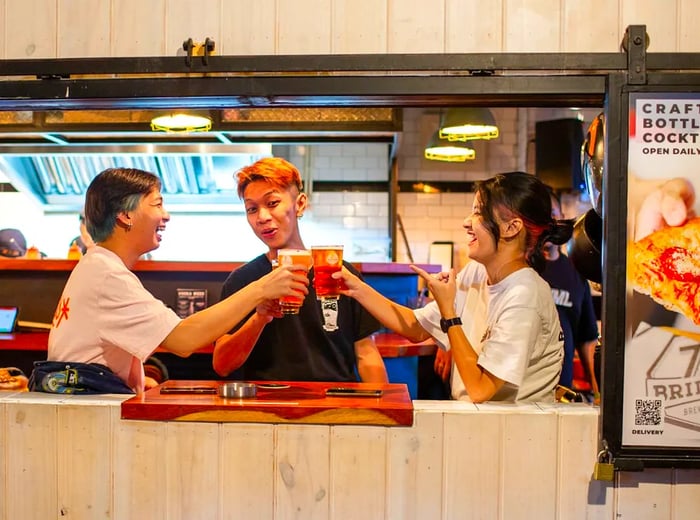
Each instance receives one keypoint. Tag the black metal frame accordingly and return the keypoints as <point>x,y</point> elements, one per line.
<point>614,295</point>
<point>418,80</point>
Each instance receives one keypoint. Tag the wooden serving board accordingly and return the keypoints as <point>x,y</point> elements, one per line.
<point>300,402</point>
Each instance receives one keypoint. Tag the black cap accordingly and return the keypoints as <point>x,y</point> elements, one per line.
<point>12,243</point>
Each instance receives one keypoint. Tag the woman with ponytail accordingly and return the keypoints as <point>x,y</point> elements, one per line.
<point>496,316</point>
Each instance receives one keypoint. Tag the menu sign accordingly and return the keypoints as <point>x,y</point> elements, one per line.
<point>190,301</point>
<point>661,402</point>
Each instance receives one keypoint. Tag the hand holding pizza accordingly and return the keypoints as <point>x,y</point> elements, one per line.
<point>664,259</point>
<point>669,204</point>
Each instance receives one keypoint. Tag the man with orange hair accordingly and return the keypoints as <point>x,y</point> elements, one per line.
<point>267,345</point>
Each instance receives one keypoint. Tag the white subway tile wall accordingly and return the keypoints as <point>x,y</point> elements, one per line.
<point>359,220</point>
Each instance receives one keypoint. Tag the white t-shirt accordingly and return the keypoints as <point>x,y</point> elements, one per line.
<point>513,327</point>
<point>106,316</point>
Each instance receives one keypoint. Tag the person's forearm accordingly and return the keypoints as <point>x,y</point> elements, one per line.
<point>479,386</point>
<point>372,372</point>
<point>371,368</point>
<point>231,350</point>
<point>391,315</point>
<point>204,327</point>
<point>587,353</point>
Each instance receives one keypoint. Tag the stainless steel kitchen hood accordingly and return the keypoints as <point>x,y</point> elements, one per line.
<point>195,177</point>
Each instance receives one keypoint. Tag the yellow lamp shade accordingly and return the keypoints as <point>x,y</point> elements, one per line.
<point>181,121</point>
<point>444,150</point>
<point>463,124</point>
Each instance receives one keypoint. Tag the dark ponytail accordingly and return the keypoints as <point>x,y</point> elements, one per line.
<point>559,232</point>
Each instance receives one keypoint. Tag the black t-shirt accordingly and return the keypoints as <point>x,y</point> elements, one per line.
<point>572,296</point>
<point>295,347</point>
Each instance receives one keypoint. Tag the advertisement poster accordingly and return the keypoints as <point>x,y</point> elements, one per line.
<point>190,301</point>
<point>661,404</point>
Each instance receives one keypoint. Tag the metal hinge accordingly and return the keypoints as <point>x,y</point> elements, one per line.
<point>635,43</point>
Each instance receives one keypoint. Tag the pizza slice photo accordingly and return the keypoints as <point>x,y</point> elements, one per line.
<point>666,266</point>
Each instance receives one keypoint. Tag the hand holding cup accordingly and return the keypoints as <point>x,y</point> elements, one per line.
<point>298,261</point>
<point>290,280</point>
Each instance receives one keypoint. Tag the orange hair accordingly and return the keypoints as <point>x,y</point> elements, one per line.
<point>273,170</point>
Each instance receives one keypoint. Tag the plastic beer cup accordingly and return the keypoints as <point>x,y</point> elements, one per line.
<point>291,304</point>
<point>327,260</point>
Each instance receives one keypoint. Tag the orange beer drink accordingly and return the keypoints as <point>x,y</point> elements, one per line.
<point>302,257</point>
<point>327,260</point>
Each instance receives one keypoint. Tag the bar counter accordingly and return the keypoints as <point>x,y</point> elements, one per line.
<point>75,457</point>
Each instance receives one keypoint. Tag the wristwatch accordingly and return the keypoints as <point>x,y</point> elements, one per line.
<point>446,324</point>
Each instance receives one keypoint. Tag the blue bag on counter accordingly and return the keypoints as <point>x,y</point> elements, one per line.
<point>63,377</point>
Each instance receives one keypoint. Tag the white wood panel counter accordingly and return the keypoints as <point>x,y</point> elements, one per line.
<point>68,457</point>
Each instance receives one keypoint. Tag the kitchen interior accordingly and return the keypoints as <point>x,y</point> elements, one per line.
<point>366,170</point>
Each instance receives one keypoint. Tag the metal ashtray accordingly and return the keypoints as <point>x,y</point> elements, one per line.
<point>237,390</point>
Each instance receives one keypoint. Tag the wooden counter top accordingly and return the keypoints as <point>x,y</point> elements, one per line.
<point>300,402</point>
<point>24,341</point>
<point>23,264</point>
<point>390,345</point>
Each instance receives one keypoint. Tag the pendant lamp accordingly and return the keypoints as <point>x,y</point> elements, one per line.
<point>182,121</point>
<point>463,124</point>
<point>444,150</point>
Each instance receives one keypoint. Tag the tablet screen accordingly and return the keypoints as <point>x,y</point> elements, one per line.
<point>8,318</point>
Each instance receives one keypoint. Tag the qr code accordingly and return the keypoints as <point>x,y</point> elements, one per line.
<point>647,412</point>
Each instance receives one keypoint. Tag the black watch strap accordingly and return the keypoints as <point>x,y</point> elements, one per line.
<point>446,324</point>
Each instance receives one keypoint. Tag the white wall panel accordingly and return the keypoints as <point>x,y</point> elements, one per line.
<point>577,435</point>
<point>414,469</point>
<point>140,466</point>
<point>83,28</point>
<point>532,26</point>
<point>473,26</point>
<point>302,462</point>
<point>30,459</point>
<point>71,457</point>
<point>84,477</point>
<point>688,21</point>
<point>192,450</point>
<point>357,472</point>
<point>246,470</point>
<point>660,17</point>
<point>187,19</point>
<point>686,497</point>
<point>138,28</point>
<point>30,29</point>
<point>248,28</point>
<point>591,26</point>
<point>472,461</point>
<point>303,27</point>
<point>359,26</point>
<point>650,488</point>
<point>78,28</point>
<point>416,26</point>
<point>529,465</point>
